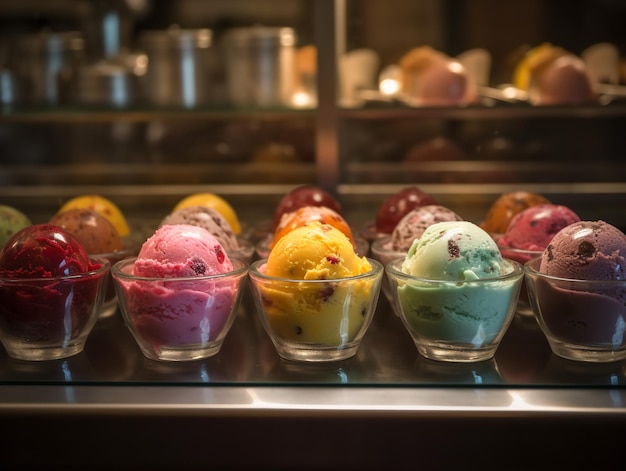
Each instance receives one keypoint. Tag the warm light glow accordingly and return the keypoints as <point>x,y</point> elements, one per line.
<point>302,99</point>
<point>389,86</point>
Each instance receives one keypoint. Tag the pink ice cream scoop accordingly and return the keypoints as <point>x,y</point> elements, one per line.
<point>179,290</point>
<point>181,250</point>
<point>415,222</point>
<point>534,227</point>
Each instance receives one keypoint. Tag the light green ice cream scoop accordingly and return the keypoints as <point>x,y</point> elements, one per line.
<point>454,251</point>
<point>11,221</point>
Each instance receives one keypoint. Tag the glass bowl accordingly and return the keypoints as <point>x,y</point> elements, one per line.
<point>109,304</point>
<point>583,320</point>
<point>316,320</point>
<point>179,319</point>
<point>384,253</point>
<point>521,256</point>
<point>51,318</point>
<point>456,320</point>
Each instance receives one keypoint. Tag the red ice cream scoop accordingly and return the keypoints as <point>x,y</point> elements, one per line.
<point>43,251</point>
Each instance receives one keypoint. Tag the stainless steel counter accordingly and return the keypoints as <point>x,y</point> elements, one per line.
<point>246,408</point>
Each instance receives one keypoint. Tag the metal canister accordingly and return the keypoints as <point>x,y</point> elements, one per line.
<point>260,65</point>
<point>181,65</point>
<point>45,62</point>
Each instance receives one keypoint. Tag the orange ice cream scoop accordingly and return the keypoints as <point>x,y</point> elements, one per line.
<point>306,214</point>
<point>508,205</point>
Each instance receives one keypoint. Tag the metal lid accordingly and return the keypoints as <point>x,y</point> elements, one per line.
<point>50,42</point>
<point>174,38</point>
<point>279,36</point>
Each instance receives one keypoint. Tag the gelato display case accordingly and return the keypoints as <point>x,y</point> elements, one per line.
<point>340,98</point>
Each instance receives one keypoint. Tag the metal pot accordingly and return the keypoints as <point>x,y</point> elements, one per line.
<point>181,63</point>
<point>46,62</point>
<point>260,65</point>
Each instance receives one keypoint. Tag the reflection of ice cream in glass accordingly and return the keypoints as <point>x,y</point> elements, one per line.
<point>179,296</point>
<point>455,293</point>
<point>50,293</point>
<point>315,295</point>
<point>578,291</point>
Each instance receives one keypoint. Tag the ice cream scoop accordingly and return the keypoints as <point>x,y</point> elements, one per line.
<point>529,233</point>
<point>94,231</point>
<point>432,78</point>
<point>101,205</point>
<point>179,296</point>
<point>453,251</point>
<point>560,80</point>
<point>207,218</point>
<point>213,201</point>
<point>306,214</point>
<point>181,250</point>
<point>534,227</point>
<point>396,206</point>
<point>315,295</point>
<point>11,221</point>
<point>50,293</point>
<point>305,195</point>
<point>416,221</point>
<point>578,292</point>
<point>43,251</point>
<point>506,206</point>
<point>455,293</point>
<point>586,250</point>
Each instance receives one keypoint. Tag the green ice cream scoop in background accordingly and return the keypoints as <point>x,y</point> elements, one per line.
<point>455,292</point>
<point>12,220</point>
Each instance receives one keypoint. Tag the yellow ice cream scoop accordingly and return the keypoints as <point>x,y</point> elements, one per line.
<point>213,201</point>
<point>316,294</point>
<point>102,206</point>
<point>315,251</point>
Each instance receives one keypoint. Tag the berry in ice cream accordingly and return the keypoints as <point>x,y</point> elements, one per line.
<point>315,289</point>
<point>578,291</point>
<point>305,195</point>
<point>103,206</point>
<point>50,291</point>
<point>396,206</point>
<point>455,291</point>
<point>213,201</point>
<point>506,206</point>
<point>180,294</point>
<point>11,221</point>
